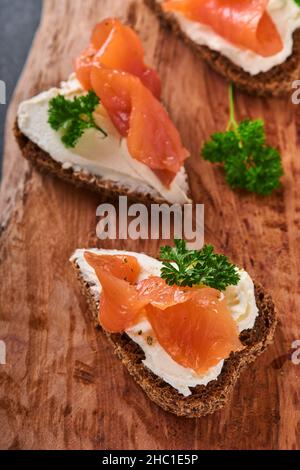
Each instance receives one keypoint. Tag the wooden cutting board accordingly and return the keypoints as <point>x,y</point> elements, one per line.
<point>61,387</point>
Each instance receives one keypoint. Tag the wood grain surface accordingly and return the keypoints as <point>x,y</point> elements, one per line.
<point>61,387</point>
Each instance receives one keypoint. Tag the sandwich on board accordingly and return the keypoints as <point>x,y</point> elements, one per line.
<point>106,128</point>
<point>253,43</point>
<point>184,327</point>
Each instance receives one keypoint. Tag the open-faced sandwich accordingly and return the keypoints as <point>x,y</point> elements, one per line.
<point>184,327</point>
<point>105,128</point>
<point>253,43</point>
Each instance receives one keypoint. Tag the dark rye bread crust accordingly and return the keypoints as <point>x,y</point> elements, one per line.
<point>204,399</point>
<point>276,82</point>
<point>109,190</point>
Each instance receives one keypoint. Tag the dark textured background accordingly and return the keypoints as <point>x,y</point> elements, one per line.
<point>18,22</point>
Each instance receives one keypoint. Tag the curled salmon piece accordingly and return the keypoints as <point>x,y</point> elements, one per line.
<point>125,267</point>
<point>113,67</point>
<point>192,324</point>
<point>120,302</point>
<point>83,64</point>
<point>117,47</point>
<point>245,23</point>
<point>152,138</point>
<point>198,333</point>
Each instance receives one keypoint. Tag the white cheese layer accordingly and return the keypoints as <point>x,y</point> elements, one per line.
<point>286,17</point>
<point>95,154</point>
<point>241,303</point>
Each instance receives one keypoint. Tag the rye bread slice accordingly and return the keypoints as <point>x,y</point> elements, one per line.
<point>109,190</point>
<point>276,82</point>
<point>204,399</point>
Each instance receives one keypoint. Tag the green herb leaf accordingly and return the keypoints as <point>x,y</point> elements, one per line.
<point>73,117</point>
<point>248,161</point>
<point>183,267</point>
<point>298,2</point>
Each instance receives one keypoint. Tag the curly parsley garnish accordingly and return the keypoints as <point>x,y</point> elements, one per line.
<point>183,267</point>
<point>73,117</point>
<point>248,161</point>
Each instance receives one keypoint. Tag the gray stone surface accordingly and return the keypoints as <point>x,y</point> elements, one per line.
<point>18,22</point>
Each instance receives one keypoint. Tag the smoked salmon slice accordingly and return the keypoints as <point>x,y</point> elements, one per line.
<point>121,306</point>
<point>245,23</point>
<point>152,138</point>
<point>192,324</point>
<point>120,303</point>
<point>113,67</point>
<point>125,267</point>
<point>198,333</point>
<point>117,47</point>
<point>160,294</point>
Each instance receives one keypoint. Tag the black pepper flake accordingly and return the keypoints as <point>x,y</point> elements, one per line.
<point>150,340</point>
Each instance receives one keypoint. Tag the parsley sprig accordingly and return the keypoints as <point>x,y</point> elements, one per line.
<point>183,267</point>
<point>73,117</point>
<point>248,161</point>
